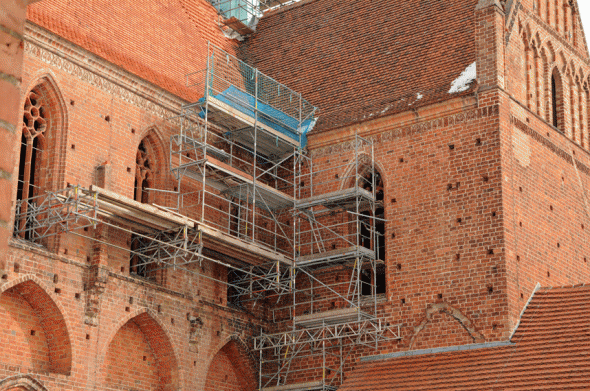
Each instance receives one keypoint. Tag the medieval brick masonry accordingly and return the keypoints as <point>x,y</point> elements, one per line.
<point>485,184</point>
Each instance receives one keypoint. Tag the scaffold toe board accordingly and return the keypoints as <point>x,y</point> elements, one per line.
<point>116,206</point>
<point>345,199</point>
<point>311,386</point>
<point>336,316</point>
<point>334,256</point>
<point>252,253</point>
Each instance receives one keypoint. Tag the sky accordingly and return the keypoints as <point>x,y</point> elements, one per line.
<point>585,13</point>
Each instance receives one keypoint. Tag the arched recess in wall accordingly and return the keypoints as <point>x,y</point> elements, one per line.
<point>231,369</point>
<point>526,72</point>
<point>369,178</point>
<point>38,339</point>
<point>557,101</point>
<point>21,383</point>
<point>41,164</point>
<point>141,343</point>
<point>434,315</point>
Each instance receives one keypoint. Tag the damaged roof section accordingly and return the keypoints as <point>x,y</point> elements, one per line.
<point>364,59</point>
<point>549,350</point>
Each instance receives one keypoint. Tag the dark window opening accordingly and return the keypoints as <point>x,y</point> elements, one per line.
<point>380,279</point>
<point>137,261</point>
<point>367,282</point>
<point>141,255</point>
<point>366,237</point>
<point>554,100</point>
<point>234,280</point>
<point>378,284</point>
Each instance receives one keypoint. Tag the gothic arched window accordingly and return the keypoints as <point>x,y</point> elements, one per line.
<point>42,154</point>
<point>144,180</point>
<point>143,172</point>
<point>33,141</point>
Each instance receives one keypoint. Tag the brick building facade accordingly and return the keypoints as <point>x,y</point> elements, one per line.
<point>477,117</point>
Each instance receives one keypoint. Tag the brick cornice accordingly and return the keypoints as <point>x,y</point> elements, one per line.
<point>68,57</point>
<point>403,131</point>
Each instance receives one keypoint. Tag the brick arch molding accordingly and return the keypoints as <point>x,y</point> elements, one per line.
<point>364,159</point>
<point>163,350</point>
<point>446,308</point>
<point>51,317</point>
<point>23,381</point>
<point>153,134</point>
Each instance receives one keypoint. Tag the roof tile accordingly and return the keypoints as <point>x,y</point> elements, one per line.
<point>363,59</point>
<point>549,352</point>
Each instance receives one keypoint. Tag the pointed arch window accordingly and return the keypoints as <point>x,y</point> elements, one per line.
<point>33,141</point>
<point>144,180</point>
<point>143,172</point>
<point>557,111</point>
<point>32,164</point>
<point>42,156</point>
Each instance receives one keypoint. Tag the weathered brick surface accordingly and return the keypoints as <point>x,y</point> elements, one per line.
<point>482,196</point>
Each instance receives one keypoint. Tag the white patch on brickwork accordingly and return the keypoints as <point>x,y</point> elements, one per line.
<point>522,148</point>
<point>419,96</point>
<point>462,83</point>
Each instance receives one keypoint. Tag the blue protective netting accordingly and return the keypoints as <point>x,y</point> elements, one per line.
<point>268,115</point>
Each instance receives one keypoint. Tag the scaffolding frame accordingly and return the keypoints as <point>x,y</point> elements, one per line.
<point>336,340</point>
<point>246,185</point>
<point>173,242</point>
<point>335,232</point>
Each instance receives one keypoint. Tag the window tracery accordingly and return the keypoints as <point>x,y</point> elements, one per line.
<point>144,180</point>
<point>33,142</point>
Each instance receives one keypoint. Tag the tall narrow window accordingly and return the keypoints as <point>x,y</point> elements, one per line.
<point>140,260</point>
<point>557,111</point>
<point>143,173</point>
<point>33,141</point>
<point>376,241</point>
<point>554,100</point>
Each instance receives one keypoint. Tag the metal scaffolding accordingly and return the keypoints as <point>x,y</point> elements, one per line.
<point>296,231</point>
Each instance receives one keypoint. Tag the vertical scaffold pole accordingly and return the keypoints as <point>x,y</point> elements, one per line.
<point>207,81</point>
<point>261,364</point>
<point>255,154</point>
<point>374,228</point>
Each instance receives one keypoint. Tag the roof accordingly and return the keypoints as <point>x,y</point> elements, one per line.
<point>550,350</point>
<point>366,58</point>
<point>158,40</point>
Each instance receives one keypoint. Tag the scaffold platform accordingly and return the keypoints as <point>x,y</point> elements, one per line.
<point>344,199</point>
<point>331,317</point>
<point>310,386</point>
<point>346,254</point>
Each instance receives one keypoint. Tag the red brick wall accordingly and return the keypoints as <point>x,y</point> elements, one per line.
<point>130,362</point>
<point>544,196</point>
<point>222,375</point>
<point>453,174</point>
<point>18,345</point>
